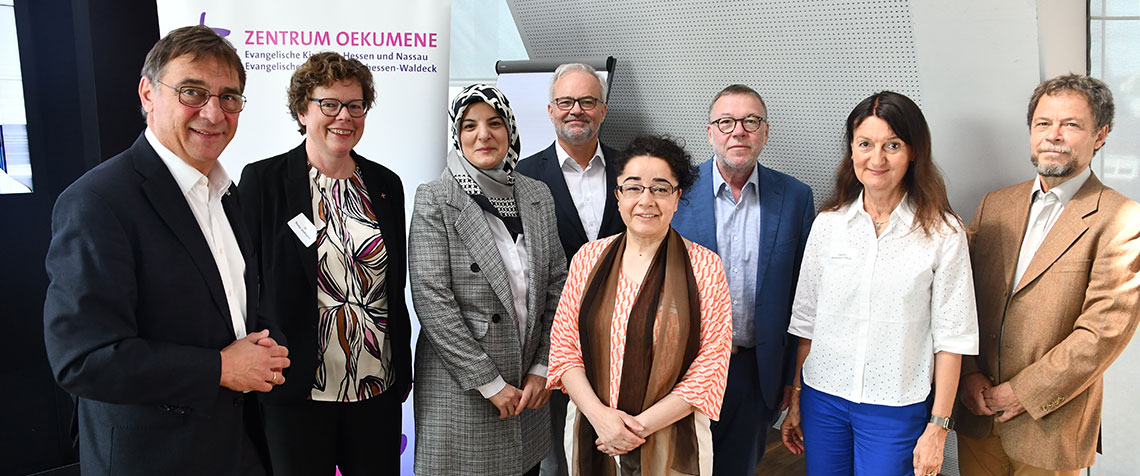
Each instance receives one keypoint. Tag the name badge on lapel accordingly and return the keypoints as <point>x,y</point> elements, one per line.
<point>304,229</point>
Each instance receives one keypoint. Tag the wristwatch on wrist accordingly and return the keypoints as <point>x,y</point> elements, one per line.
<point>944,422</point>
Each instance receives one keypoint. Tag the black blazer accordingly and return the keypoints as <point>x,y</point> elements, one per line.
<point>544,166</point>
<point>275,190</point>
<point>134,320</point>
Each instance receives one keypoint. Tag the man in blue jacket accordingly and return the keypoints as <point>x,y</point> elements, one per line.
<point>759,224</point>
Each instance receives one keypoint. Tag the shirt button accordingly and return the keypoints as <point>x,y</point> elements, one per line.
<point>733,302</point>
<point>735,238</point>
<point>735,270</point>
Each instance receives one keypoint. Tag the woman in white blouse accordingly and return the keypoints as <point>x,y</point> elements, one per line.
<point>884,307</point>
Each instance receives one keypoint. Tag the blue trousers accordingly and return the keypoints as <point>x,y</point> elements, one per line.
<point>842,438</point>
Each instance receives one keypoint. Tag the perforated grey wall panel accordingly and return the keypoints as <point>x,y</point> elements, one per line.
<point>813,61</point>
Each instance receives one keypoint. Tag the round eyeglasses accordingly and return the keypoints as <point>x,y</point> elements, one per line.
<point>657,190</point>
<point>567,103</point>
<point>728,124</point>
<point>194,96</point>
<point>332,106</point>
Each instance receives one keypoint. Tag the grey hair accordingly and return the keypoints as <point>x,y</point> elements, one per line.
<point>733,89</point>
<point>568,68</point>
<point>1094,90</point>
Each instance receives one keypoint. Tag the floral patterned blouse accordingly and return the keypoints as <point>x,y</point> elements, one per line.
<point>353,350</point>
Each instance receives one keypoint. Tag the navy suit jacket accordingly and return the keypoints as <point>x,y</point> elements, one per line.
<point>545,167</point>
<point>787,212</point>
<point>134,320</point>
<point>274,191</point>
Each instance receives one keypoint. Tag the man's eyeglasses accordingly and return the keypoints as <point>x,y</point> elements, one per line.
<point>332,106</point>
<point>658,190</point>
<point>194,96</point>
<point>567,103</point>
<point>728,124</point>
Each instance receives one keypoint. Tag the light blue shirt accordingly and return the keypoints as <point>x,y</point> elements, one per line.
<point>738,244</point>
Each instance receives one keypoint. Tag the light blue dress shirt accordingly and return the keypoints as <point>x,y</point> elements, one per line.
<point>738,244</point>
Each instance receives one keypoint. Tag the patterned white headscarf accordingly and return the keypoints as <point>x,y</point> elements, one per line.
<point>494,185</point>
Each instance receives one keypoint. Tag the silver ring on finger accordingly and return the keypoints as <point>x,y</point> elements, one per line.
<point>274,382</point>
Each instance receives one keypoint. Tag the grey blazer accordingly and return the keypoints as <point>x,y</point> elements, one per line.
<point>469,334</point>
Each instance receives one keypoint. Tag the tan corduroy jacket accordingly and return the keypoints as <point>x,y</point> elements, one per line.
<point>1072,314</point>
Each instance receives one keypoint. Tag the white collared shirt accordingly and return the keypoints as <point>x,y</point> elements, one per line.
<point>204,196</point>
<point>587,187</point>
<point>1063,192</point>
<point>877,309</point>
<point>517,263</point>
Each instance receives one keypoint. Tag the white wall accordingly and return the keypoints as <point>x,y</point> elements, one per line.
<point>978,65</point>
<point>1062,37</point>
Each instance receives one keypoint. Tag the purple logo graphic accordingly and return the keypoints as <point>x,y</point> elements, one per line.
<point>220,31</point>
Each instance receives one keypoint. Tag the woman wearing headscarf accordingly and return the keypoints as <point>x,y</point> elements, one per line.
<point>486,272</point>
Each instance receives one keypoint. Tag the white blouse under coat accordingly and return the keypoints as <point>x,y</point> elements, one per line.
<point>877,309</point>
<point>517,264</point>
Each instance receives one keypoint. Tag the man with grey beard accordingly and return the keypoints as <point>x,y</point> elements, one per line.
<point>1055,273</point>
<point>579,171</point>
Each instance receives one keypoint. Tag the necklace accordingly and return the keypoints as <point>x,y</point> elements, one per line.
<point>879,224</point>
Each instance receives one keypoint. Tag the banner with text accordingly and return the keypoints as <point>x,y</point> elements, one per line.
<point>405,44</point>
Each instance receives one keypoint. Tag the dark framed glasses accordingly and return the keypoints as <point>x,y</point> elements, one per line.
<point>728,124</point>
<point>332,106</point>
<point>567,103</point>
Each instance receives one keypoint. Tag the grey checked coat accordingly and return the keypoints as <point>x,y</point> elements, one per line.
<point>468,330</point>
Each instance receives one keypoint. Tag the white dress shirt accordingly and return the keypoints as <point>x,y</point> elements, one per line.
<point>204,195</point>
<point>1044,209</point>
<point>877,309</point>
<point>517,263</point>
<point>587,187</point>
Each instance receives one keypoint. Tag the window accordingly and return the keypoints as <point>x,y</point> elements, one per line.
<point>1114,34</point>
<point>15,166</point>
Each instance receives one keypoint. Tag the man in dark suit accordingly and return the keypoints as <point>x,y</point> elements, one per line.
<point>150,317</point>
<point>579,171</point>
<point>757,220</point>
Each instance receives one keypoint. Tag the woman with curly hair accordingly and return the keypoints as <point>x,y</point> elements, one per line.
<point>329,227</point>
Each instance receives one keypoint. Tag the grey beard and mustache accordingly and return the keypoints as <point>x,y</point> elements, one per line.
<point>1056,170</point>
<point>576,137</point>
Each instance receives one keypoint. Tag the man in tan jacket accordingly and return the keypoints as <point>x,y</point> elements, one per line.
<point>1055,270</point>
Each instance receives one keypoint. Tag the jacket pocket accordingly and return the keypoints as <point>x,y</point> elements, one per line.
<point>477,323</point>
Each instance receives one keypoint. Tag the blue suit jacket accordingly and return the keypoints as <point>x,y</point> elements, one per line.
<point>786,217</point>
